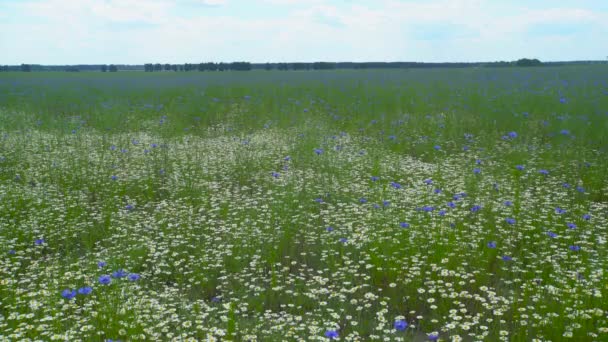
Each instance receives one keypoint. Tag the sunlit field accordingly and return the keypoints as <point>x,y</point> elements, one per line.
<point>394,205</point>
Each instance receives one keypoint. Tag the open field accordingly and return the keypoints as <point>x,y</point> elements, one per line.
<point>395,205</point>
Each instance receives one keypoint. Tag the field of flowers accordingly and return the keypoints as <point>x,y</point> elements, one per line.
<point>395,205</point>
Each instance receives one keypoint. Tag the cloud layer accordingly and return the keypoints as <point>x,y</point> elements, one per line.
<point>133,31</point>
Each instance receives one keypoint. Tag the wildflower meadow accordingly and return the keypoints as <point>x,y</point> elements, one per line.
<point>348,205</point>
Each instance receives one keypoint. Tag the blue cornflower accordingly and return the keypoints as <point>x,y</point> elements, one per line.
<point>428,208</point>
<point>404,225</point>
<point>363,200</point>
<point>586,217</point>
<point>275,174</point>
<point>133,277</point>
<point>129,207</point>
<point>376,206</point>
<point>113,148</point>
<point>478,161</point>
<point>571,225</point>
<point>476,170</point>
<point>134,142</point>
<point>331,334</point>
<point>288,158</point>
<point>442,212</point>
<point>437,191</point>
<point>343,240</point>
<point>552,235</point>
<point>114,177</point>
<point>512,134</point>
<point>153,145</point>
<point>475,208</point>
<point>492,244</point>
<point>12,252</point>
<point>319,200</point>
<point>330,229</point>
<point>102,264</point>
<point>437,147</point>
<point>580,189</point>
<point>386,203</point>
<point>119,274</point>
<point>510,220</point>
<point>374,178</point>
<point>451,204</point>
<point>508,203</point>
<point>543,172</point>
<point>564,132</point>
<point>39,242</point>
<point>566,185</point>
<point>506,258</point>
<point>520,167</point>
<point>428,181</point>
<point>563,100</point>
<point>575,248</point>
<point>396,185</point>
<point>216,299</point>
<point>85,290</point>
<point>400,325</point>
<point>559,210</point>
<point>68,294</point>
<point>433,336</point>
<point>318,151</point>
<point>105,279</point>
<point>465,148</point>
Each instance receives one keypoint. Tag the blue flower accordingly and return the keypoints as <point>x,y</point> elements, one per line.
<point>508,203</point>
<point>520,167</point>
<point>475,208</point>
<point>68,294</point>
<point>114,177</point>
<point>404,225</point>
<point>133,277</point>
<point>478,161</point>
<point>288,158</point>
<point>319,200</point>
<point>386,203</point>
<point>575,248</point>
<point>442,212</point>
<point>451,204</point>
<point>105,279</point>
<point>543,172</point>
<point>437,147</point>
<point>396,185</point>
<point>400,325</point>
<point>85,290</point>
<point>318,151</point>
<point>12,252</point>
<point>566,185</point>
<point>564,132</point>
<point>112,148</point>
<point>571,225</point>
<point>506,258</point>
<point>510,220</point>
<point>512,134</point>
<point>330,229</point>
<point>559,210</point>
<point>129,207</point>
<point>563,100</point>
<point>433,336</point>
<point>428,181</point>
<point>437,191</point>
<point>552,235</point>
<point>492,244</point>
<point>586,217</point>
<point>331,334</point>
<point>39,242</point>
<point>275,174</point>
<point>119,274</point>
<point>374,178</point>
<point>363,200</point>
<point>428,208</point>
<point>343,240</point>
<point>580,189</point>
<point>102,264</point>
<point>476,171</point>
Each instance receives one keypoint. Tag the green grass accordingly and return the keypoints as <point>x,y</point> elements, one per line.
<point>170,176</point>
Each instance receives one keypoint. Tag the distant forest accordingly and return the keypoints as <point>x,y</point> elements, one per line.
<point>245,66</point>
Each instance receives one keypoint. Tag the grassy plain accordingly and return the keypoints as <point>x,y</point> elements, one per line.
<point>464,204</point>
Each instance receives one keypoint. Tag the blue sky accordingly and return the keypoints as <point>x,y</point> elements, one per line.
<point>140,31</point>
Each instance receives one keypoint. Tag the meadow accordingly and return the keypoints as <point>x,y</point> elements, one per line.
<point>390,205</point>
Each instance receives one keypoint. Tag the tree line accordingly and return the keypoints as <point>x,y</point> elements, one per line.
<point>245,66</point>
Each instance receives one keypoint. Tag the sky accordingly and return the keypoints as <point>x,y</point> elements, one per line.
<point>57,32</point>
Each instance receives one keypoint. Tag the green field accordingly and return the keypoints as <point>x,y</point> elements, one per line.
<point>395,205</point>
